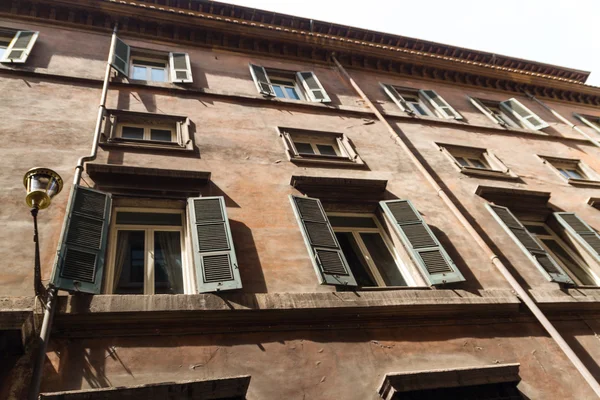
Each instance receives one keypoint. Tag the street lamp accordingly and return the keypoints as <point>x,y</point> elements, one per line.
<point>42,184</point>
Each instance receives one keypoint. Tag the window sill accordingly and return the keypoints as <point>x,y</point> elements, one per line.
<point>146,145</point>
<point>488,173</point>
<point>583,183</point>
<point>324,160</point>
<point>392,288</point>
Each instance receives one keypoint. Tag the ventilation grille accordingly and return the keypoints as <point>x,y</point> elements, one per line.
<point>547,264</point>
<point>506,217</point>
<point>525,237</point>
<point>217,268</point>
<point>319,234</point>
<point>593,240</point>
<point>435,262</point>
<point>574,222</point>
<point>79,266</point>
<point>419,236</point>
<point>90,203</point>
<point>403,212</point>
<point>208,210</point>
<point>212,237</point>
<point>85,232</point>
<point>331,262</point>
<point>309,209</point>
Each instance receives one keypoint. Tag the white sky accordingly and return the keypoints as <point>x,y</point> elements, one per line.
<point>559,32</point>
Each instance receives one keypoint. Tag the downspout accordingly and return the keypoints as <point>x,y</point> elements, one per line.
<point>402,141</point>
<point>50,306</point>
<point>563,119</point>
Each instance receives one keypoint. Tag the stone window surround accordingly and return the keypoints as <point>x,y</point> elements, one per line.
<point>497,168</point>
<point>592,178</point>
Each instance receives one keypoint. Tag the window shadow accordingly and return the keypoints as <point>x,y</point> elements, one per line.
<point>251,272</point>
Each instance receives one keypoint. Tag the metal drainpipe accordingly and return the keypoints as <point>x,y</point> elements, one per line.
<point>50,306</point>
<point>402,141</point>
<point>563,119</point>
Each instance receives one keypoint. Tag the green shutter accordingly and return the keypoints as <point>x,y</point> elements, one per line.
<point>441,105</point>
<point>120,58</point>
<point>214,254</point>
<point>325,252</point>
<point>313,87</point>
<point>396,98</point>
<point>80,261</point>
<point>261,80</point>
<point>425,248</point>
<point>523,114</point>
<point>536,253</point>
<point>180,67</point>
<point>584,233</point>
<point>20,47</point>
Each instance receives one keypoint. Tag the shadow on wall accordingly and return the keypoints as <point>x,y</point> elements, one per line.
<point>251,271</point>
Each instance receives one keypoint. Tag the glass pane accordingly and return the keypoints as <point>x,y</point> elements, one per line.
<point>291,93</point>
<point>352,222</point>
<point>160,134</point>
<point>141,218</point>
<point>159,75</point>
<point>168,277</point>
<point>2,50</point>
<point>132,132</point>
<point>304,148</point>
<point>278,91</point>
<point>462,161</point>
<point>383,259</point>
<point>129,262</point>
<point>573,173</point>
<point>355,259</point>
<point>418,108</point>
<point>326,150</point>
<point>477,163</point>
<point>564,173</point>
<point>139,73</point>
<point>561,254</point>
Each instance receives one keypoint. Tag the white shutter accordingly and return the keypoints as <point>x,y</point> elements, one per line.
<point>396,98</point>
<point>584,233</point>
<point>595,126</point>
<point>261,80</point>
<point>313,87</point>
<point>181,68</point>
<point>440,104</point>
<point>120,58</point>
<point>523,114</point>
<point>486,111</point>
<point>20,47</point>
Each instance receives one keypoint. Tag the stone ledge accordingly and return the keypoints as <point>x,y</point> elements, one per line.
<point>567,299</point>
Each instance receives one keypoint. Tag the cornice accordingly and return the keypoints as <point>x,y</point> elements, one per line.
<point>151,20</point>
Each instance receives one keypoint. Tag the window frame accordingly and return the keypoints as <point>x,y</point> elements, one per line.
<point>290,83</point>
<point>590,120</point>
<point>187,272</point>
<point>552,235</point>
<point>132,63</point>
<point>495,166</point>
<point>492,110</point>
<point>590,177</point>
<point>373,269</point>
<point>147,132</point>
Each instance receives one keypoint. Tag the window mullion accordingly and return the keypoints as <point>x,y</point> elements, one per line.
<point>367,256</point>
<point>149,262</point>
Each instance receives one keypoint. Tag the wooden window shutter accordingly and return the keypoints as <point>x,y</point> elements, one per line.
<point>181,68</point>
<point>20,47</point>
<point>214,253</point>
<point>80,261</point>
<point>523,114</point>
<point>120,58</point>
<point>396,98</point>
<point>325,252</point>
<point>440,104</point>
<point>588,122</point>
<point>584,233</point>
<point>425,248</point>
<point>536,253</point>
<point>486,111</point>
<point>261,80</point>
<point>313,87</point>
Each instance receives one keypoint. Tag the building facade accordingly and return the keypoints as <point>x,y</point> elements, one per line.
<point>287,208</point>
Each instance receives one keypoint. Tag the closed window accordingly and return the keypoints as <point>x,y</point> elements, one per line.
<point>289,85</point>
<point>574,171</point>
<point>476,161</point>
<point>423,102</point>
<point>158,133</point>
<point>315,146</point>
<point>147,69</point>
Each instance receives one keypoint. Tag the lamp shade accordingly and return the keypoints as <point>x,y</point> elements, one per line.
<point>42,185</point>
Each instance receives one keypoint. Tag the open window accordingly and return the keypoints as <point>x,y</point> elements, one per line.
<point>291,85</point>
<point>319,147</point>
<point>15,46</point>
<point>590,120</point>
<point>476,161</point>
<point>574,171</point>
<point>509,114</point>
<point>424,102</point>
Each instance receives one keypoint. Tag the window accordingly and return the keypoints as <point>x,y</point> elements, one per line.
<point>591,121</point>
<point>476,161</point>
<point>353,250</point>
<point>146,253</point>
<point>151,70</point>
<point>321,147</point>
<point>15,46</point>
<point>126,128</point>
<point>424,102</point>
<point>150,251</point>
<point>288,84</point>
<point>367,249</point>
<point>574,171</point>
<point>510,113</point>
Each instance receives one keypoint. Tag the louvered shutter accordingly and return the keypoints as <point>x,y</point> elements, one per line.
<point>396,98</point>
<point>261,80</point>
<point>425,248</point>
<point>80,261</point>
<point>325,252</point>
<point>523,114</point>
<point>545,263</point>
<point>486,111</point>
<point>313,87</point>
<point>20,47</point>
<point>595,126</point>
<point>214,253</point>
<point>440,104</point>
<point>581,231</point>
<point>181,68</point>
<point>120,58</point>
